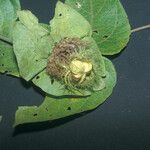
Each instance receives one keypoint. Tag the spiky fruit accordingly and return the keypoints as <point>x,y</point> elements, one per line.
<point>75,63</point>
<point>62,56</point>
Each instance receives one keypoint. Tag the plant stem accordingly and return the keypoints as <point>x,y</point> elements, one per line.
<point>141,28</point>
<point>6,40</point>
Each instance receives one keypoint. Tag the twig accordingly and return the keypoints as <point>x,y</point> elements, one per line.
<point>6,40</point>
<point>141,28</point>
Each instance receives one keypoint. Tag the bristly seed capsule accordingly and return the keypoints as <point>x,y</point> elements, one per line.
<point>62,55</point>
<point>69,64</point>
<point>79,69</point>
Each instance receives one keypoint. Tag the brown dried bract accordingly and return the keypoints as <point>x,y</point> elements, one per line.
<point>62,55</point>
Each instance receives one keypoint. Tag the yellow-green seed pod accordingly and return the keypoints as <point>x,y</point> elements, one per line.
<point>80,67</point>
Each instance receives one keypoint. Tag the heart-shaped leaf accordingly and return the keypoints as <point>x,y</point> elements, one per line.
<point>32,45</point>
<point>8,16</point>
<point>64,26</point>
<point>109,22</point>
<point>67,22</point>
<point>59,107</point>
<point>54,87</point>
<point>8,9</point>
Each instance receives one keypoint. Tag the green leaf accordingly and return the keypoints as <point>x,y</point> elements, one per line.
<point>8,62</point>
<point>109,22</point>
<point>32,45</point>
<point>57,107</point>
<point>68,23</point>
<point>8,16</point>
<point>62,26</point>
<point>8,9</point>
<point>54,87</point>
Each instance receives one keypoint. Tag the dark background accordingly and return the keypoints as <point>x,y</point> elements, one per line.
<point>121,123</point>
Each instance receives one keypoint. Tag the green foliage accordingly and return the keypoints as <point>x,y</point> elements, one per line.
<point>32,45</point>
<point>8,9</point>
<point>54,87</point>
<point>8,62</point>
<point>59,107</point>
<point>110,25</point>
<point>68,23</point>
<point>8,16</point>
<point>103,24</point>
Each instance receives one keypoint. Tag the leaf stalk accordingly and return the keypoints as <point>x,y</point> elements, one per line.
<point>141,28</point>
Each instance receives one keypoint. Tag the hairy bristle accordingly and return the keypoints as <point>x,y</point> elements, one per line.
<point>62,55</point>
